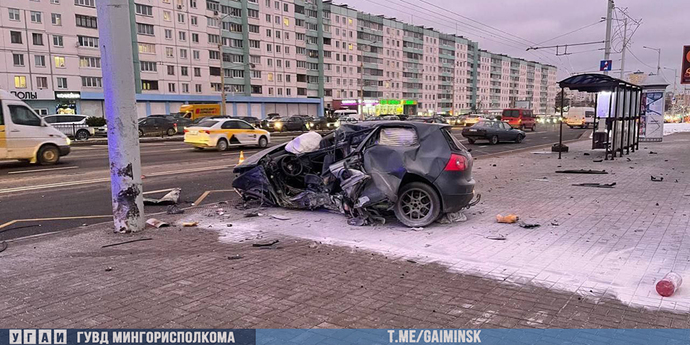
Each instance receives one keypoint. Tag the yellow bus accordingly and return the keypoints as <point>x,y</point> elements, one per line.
<point>195,111</point>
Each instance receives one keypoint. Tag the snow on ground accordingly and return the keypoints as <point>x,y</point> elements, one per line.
<point>596,242</point>
<point>670,128</point>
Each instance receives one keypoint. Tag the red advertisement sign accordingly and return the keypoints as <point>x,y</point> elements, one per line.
<point>685,75</point>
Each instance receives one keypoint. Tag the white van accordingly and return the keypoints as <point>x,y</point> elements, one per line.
<point>27,137</point>
<point>582,117</point>
<point>346,112</point>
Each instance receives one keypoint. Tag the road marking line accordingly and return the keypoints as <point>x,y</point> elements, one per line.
<point>88,148</point>
<point>40,170</point>
<point>153,145</point>
<point>157,191</point>
<point>206,193</point>
<point>106,179</point>
<point>183,149</point>
<point>49,219</point>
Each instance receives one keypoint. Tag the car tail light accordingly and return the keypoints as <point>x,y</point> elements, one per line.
<point>205,131</point>
<point>186,130</point>
<point>456,163</point>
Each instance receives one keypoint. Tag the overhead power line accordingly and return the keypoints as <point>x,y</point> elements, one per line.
<point>571,32</point>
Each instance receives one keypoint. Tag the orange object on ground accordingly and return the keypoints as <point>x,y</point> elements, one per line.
<point>511,218</point>
<point>241,158</point>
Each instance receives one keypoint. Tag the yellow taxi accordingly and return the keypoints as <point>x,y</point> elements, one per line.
<point>224,133</point>
<point>471,120</point>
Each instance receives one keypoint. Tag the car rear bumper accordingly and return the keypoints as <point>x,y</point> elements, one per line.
<point>64,150</point>
<point>456,192</point>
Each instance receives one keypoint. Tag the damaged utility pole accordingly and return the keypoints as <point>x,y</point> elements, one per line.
<point>117,65</point>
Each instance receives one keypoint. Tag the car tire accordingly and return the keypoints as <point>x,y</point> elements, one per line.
<point>48,155</point>
<point>418,205</point>
<point>263,142</point>
<point>222,145</point>
<point>471,141</point>
<point>171,132</point>
<point>493,140</point>
<point>82,134</point>
<point>534,128</point>
<point>519,138</point>
<point>141,133</point>
<point>282,129</point>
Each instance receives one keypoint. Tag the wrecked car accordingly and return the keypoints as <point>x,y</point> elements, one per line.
<point>419,171</point>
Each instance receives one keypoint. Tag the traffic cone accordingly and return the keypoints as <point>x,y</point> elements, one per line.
<point>241,158</point>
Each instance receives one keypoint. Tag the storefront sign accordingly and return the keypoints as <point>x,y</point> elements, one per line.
<point>67,95</point>
<point>685,69</point>
<point>33,95</point>
<point>25,95</point>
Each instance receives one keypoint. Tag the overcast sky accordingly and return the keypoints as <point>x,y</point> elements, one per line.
<point>664,25</point>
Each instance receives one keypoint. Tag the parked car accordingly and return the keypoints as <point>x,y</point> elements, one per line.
<point>520,118</point>
<point>224,133</point>
<point>178,119</point>
<point>351,172</point>
<point>427,119</point>
<point>493,131</point>
<point>26,136</point>
<point>469,120</point>
<point>292,123</point>
<point>156,126</point>
<point>73,126</point>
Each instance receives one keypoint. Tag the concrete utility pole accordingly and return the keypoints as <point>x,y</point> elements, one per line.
<point>117,65</point>
<point>222,69</point>
<point>625,47</point>
<point>609,17</point>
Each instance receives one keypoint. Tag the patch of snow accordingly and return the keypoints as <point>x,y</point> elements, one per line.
<point>670,128</point>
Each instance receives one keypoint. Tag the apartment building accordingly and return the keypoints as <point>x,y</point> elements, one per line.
<point>284,56</point>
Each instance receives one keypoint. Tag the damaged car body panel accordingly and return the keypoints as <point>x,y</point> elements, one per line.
<point>417,170</point>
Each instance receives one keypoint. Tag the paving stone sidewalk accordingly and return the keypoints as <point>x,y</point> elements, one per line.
<point>189,277</point>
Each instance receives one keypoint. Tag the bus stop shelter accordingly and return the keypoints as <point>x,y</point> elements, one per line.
<point>617,112</point>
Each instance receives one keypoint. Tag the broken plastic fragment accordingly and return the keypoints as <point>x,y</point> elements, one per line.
<point>657,178</point>
<point>527,225</point>
<point>509,219</point>
<point>173,209</point>
<point>279,217</point>
<point>190,224</point>
<point>168,199</point>
<point>153,222</point>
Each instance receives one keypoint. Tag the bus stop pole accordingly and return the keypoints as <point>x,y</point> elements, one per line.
<point>560,127</point>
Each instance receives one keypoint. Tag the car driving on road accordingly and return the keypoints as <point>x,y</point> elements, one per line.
<point>493,131</point>
<point>178,119</point>
<point>224,133</point>
<point>156,126</point>
<point>73,125</point>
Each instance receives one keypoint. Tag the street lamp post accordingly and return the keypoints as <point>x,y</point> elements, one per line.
<point>658,59</point>
<point>675,81</point>
<point>222,70</point>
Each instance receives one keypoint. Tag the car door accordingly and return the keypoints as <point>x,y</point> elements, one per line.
<point>231,131</point>
<point>246,133</point>
<point>3,133</point>
<point>25,131</point>
<point>506,132</point>
<point>146,125</point>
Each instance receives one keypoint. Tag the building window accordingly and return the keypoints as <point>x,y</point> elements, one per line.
<point>182,35</point>
<point>171,70</point>
<point>194,20</point>
<point>171,87</point>
<point>197,88</point>
<point>16,37</point>
<point>184,71</point>
<point>85,41</point>
<point>146,29</point>
<point>149,84</point>
<point>59,61</point>
<point>256,89</point>
<point>214,55</point>
<point>20,81</point>
<point>148,66</point>
<point>192,3</point>
<point>252,44</point>
<point>185,88</point>
<point>144,10</point>
<point>183,54</point>
<point>180,18</point>
<point>252,13</point>
<point>18,59</point>
<point>36,17</point>
<point>195,38</point>
<point>61,83</point>
<point>37,38</point>
<point>14,14</point>
<point>288,92</point>
<point>147,48</point>
<point>56,19</point>
<point>196,54</point>
<point>86,21</point>
<point>197,71</point>
<point>169,52</point>
<point>269,47</point>
<point>166,16</point>
<point>86,3</point>
<point>91,82</point>
<point>58,41</point>
<point>40,60</point>
<point>89,62</point>
<point>42,82</point>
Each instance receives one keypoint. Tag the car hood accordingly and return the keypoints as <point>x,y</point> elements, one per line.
<point>253,160</point>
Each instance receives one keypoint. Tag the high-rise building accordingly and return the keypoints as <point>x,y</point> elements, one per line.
<point>274,56</point>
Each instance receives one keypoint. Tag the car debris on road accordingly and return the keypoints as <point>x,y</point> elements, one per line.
<point>419,171</point>
<point>172,198</point>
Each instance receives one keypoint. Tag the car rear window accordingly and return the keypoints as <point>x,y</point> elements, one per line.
<point>206,123</point>
<point>511,113</point>
<point>454,143</point>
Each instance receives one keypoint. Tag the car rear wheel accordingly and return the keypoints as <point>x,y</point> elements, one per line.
<point>493,140</point>
<point>141,133</point>
<point>171,132</point>
<point>222,145</point>
<point>48,155</point>
<point>263,142</point>
<point>82,134</point>
<point>418,205</point>
<point>519,138</point>
<point>534,128</point>
<point>471,141</point>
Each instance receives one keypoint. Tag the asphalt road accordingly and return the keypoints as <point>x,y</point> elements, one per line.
<point>76,192</point>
